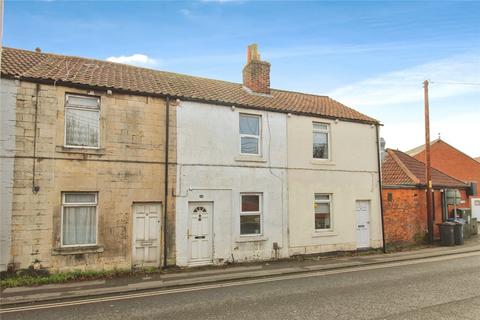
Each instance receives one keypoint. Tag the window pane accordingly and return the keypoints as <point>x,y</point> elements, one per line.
<point>322,221</point>
<point>86,102</point>
<point>322,208</point>
<point>322,197</point>
<point>320,126</point>
<point>322,212</point>
<point>249,145</point>
<point>79,198</point>
<point>79,225</point>
<point>249,125</point>
<point>320,145</point>
<point>250,203</point>
<point>82,127</point>
<point>250,225</point>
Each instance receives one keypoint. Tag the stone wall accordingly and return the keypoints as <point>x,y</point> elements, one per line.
<point>128,167</point>
<point>8,92</point>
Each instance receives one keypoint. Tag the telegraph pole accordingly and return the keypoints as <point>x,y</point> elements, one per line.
<point>428,168</point>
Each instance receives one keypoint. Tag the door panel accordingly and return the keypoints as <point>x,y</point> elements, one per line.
<point>139,228</point>
<point>146,246</point>
<point>476,208</point>
<point>200,233</point>
<point>363,224</point>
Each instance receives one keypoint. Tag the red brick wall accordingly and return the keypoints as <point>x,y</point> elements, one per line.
<point>454,163</point>
<point>405,217</point>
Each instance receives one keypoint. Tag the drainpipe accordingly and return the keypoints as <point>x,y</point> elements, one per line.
<point>380,187</point>
<point>167,131</point>
<point>35,188</point>
<point>444,206</point>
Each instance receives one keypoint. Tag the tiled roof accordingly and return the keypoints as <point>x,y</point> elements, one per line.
<point>478,159</point>
<point>400,169</point>
<point>82,72</point>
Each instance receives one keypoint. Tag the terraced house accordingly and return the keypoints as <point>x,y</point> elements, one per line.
<point>108,165</point>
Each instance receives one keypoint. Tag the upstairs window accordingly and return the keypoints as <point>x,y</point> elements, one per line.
<point>323,211</point>
<point>321,138</point>
<point>82,121</point>
<point>250,134</point>
<point>251,214</point>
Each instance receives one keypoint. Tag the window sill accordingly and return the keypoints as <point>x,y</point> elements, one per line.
<point>251,239</point>
<point>318,234</point>
<point>250,159</point>
<point>94,151</point>
<point>322,162</point>
<point>61,251</point>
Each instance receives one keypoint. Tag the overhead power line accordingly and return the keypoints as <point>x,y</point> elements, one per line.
<point>458,83</point>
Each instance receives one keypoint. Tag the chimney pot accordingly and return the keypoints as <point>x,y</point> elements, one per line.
<point>256,73</point>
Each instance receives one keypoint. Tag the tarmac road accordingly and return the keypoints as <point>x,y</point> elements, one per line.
<point>440,288</point>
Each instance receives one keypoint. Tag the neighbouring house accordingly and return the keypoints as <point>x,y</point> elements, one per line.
<point>83,164</point>
<point>268,173</point>
<point>106,165</point>
<point>333,182</point>
<point>455,163</point>
<point>404,198</point>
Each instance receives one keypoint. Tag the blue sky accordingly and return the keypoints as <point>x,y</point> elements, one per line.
<point>372,56</point>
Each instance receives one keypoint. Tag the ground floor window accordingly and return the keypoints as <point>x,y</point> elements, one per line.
<point>322,212</point>
<point>79,218</point>
<point>251,214</point>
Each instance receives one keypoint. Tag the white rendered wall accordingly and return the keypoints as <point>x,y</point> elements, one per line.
<point>8,91</point>
<point>211,169</point>
<point>350,175</point>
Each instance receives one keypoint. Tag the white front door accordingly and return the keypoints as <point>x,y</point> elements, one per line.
<point>363,224</point>
<point>146,234</point>
<point>200,233</point>
<point>476,208</point>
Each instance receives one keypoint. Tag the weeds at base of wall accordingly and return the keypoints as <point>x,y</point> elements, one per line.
<point>405,246</point>
<point>337,254</point>
<point>418,241</point>
<point>32,277</point>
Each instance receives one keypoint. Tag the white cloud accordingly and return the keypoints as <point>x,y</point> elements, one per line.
<point>405,86</point>
<point>136,59</point>
<point>451,112</point>
<point>459,130</point>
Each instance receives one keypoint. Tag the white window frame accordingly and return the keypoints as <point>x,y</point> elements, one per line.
<point>330,203</point>
<point>259,136</point>
<point>328,132</point>
<point>78,107</point>
<point>252,213</point>
<point>79,204</point>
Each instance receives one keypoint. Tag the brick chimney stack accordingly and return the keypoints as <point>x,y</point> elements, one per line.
<point>256,73</point>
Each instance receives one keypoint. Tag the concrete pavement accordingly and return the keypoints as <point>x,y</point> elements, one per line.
<point>191,277</point>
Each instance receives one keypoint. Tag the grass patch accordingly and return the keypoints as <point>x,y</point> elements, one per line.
<point>30,277</point>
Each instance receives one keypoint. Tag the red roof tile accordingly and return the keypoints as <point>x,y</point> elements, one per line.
<point>75,71</point>
<point>400,169</point>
